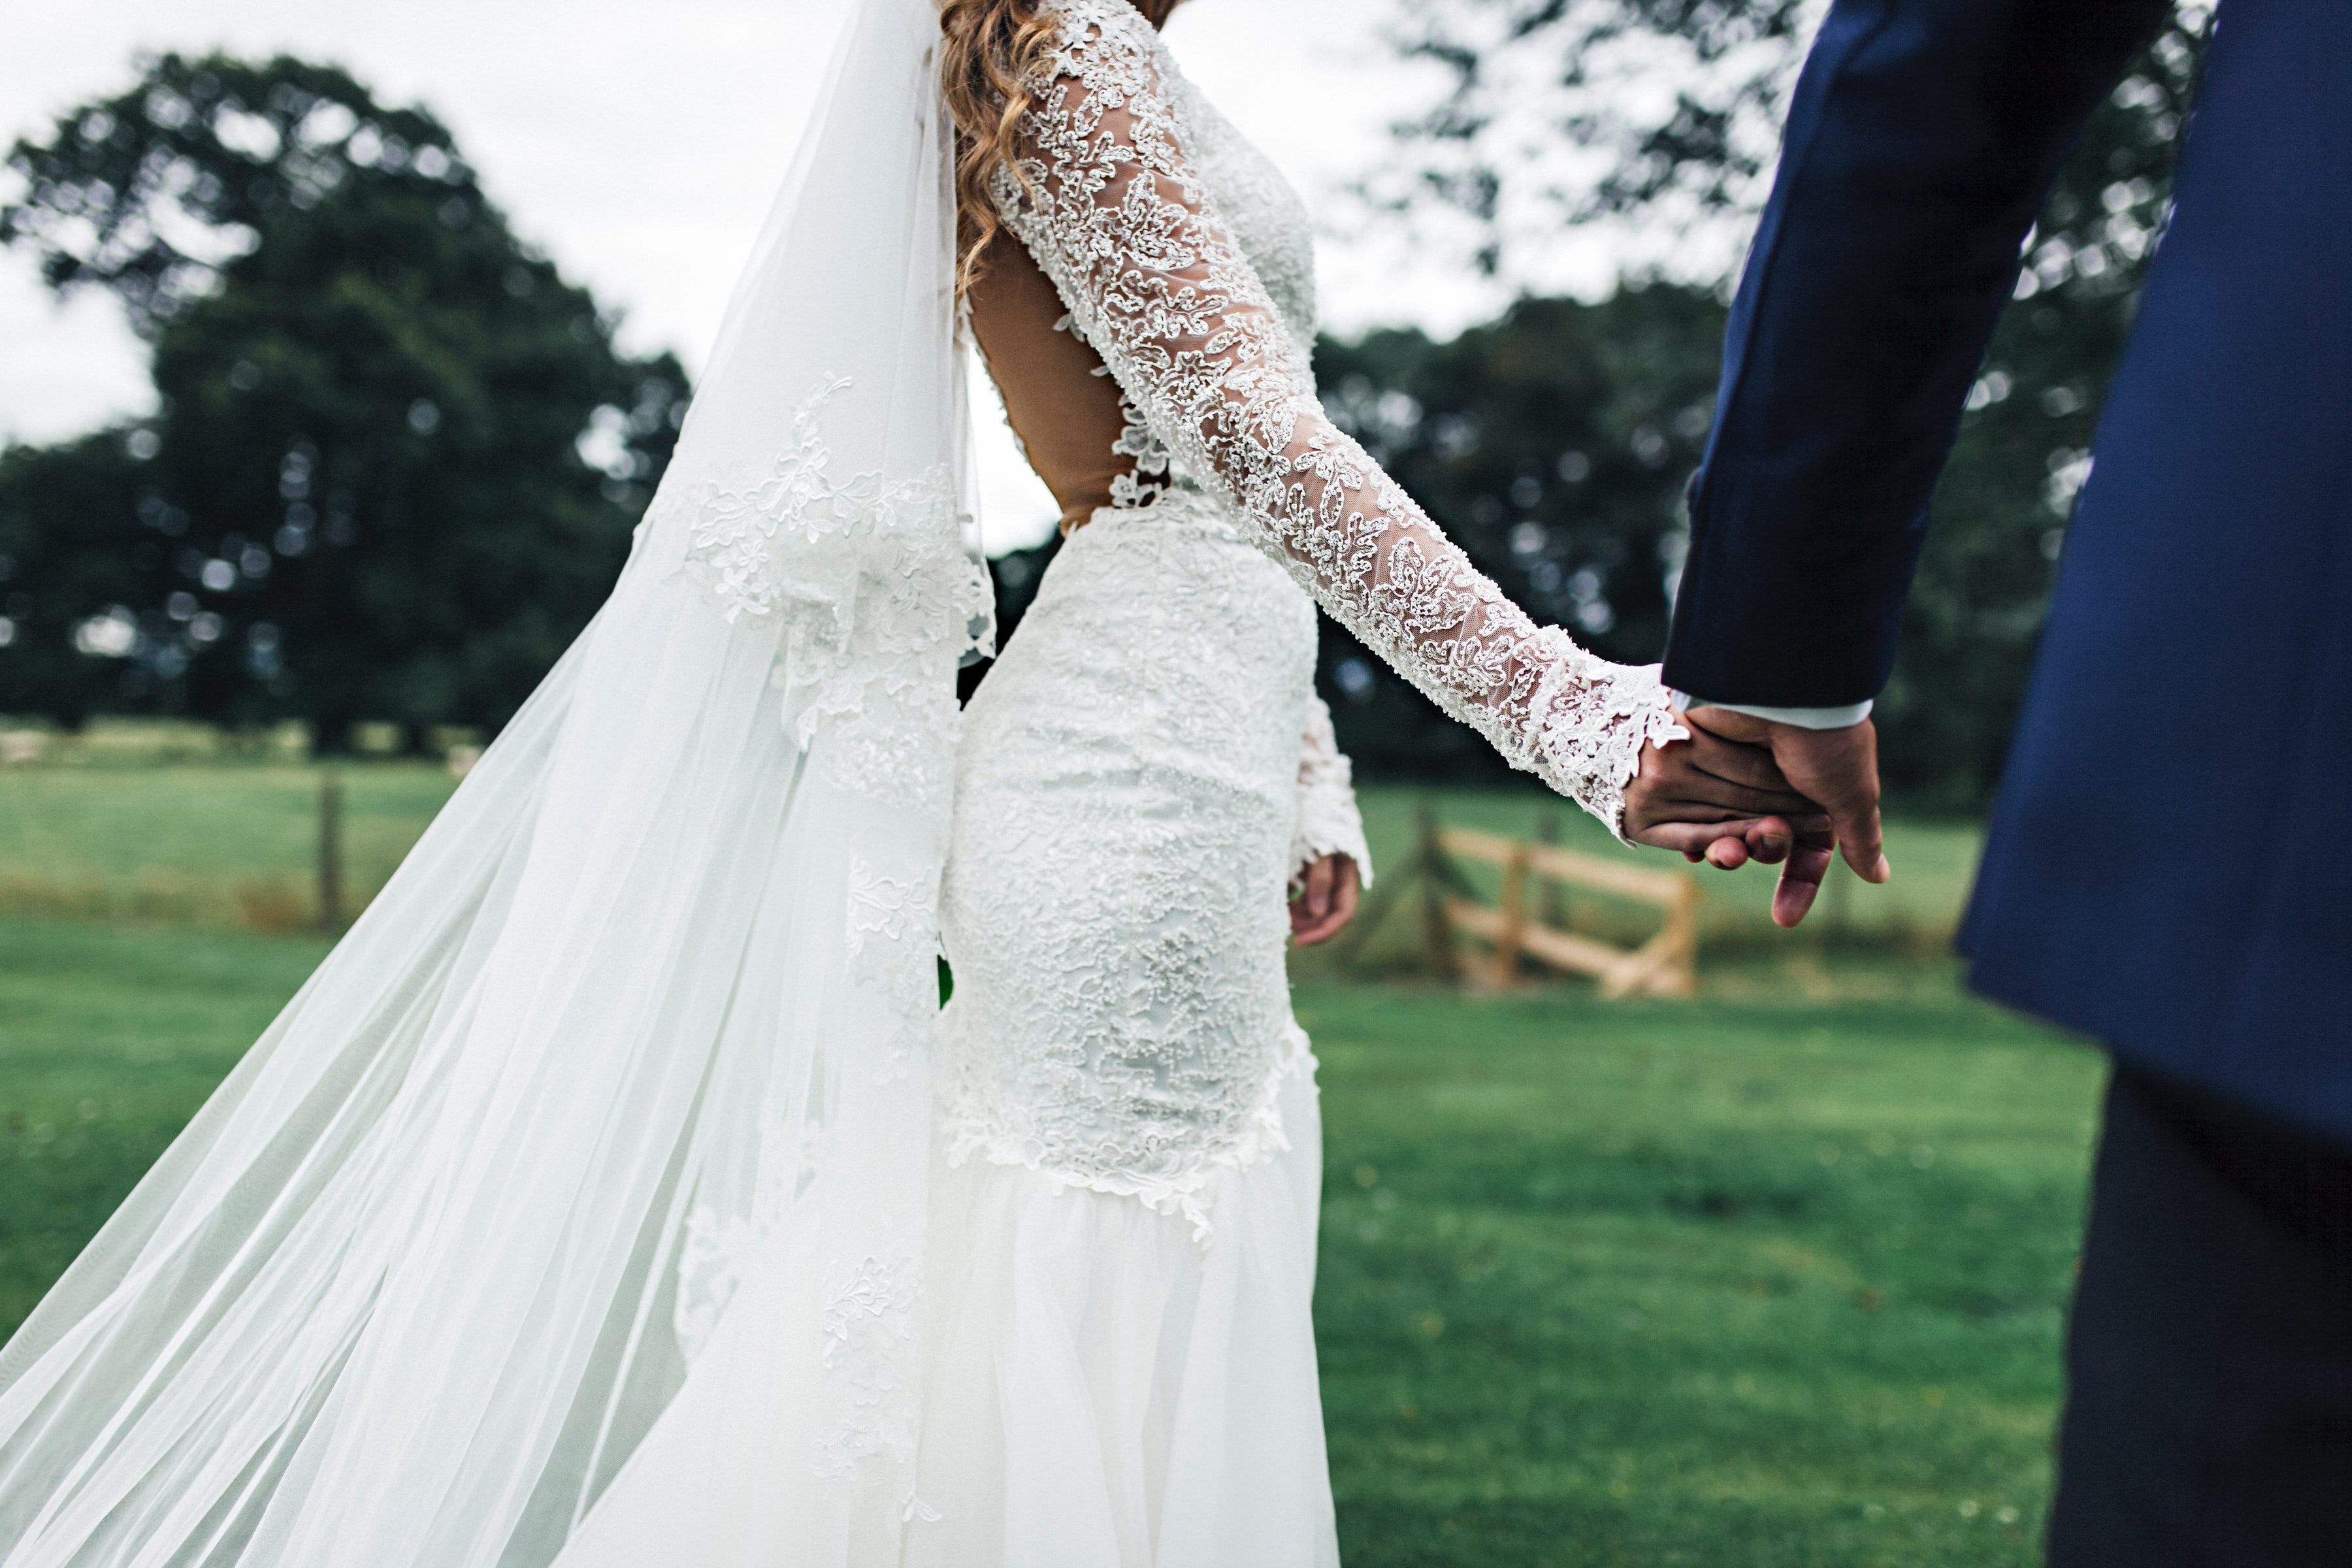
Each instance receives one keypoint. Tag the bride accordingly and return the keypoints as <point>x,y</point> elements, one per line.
<point>618,1191</point>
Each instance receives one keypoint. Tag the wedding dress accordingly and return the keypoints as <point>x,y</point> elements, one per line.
<point>616,1192</point>
<point>1118,1362</point>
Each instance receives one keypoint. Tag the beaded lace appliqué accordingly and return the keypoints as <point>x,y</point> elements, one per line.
<point>874,600</point>
<point>1118,213</point>
<point>871,584</point>
<point>869,1326</point>
<point>1329,822</point>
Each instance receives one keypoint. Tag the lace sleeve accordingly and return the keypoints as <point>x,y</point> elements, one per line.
<point>1104,197</point>
<point>1329,821</point>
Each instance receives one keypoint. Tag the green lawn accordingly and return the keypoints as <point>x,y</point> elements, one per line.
<point>209,844</point>
<point>1755,1280</point>
<point>229,844</point>
<point>1777,1282</point>
<point>108,1041</point>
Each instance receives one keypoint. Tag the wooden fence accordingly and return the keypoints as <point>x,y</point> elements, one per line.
<point>1528,921</point>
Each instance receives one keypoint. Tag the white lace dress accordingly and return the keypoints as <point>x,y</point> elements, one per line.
<point>1119,1356</point>
<point>1123,1219</point>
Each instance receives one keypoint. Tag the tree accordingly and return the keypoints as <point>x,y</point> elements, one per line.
<point>1665,113</point>
<point>1553,445</point>
<point>397,458</point>
<point>69,539</point>
<point>1661,116</point>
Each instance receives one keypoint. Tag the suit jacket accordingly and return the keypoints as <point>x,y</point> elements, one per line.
<point>2163,869</point>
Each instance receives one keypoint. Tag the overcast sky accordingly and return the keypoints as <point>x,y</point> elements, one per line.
<point>638,144</point>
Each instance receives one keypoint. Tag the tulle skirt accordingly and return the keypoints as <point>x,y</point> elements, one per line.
<point>1098,1390</point>
<point>1119,1358</point>
<point>1103,1391</point>
<point>1113,1354</point>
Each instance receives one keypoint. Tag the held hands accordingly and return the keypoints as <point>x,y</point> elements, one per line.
<point>1327,902</point>
<point>1744,788</point>
<point>1839,768</point>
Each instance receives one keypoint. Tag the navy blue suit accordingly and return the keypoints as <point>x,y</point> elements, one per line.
<point>2166,869</point>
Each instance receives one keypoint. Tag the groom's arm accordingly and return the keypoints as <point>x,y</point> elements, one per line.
<point>1922,139</point>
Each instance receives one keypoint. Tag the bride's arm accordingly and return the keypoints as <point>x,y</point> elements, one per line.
<point>1329,822</point>
<point>1104,197</point>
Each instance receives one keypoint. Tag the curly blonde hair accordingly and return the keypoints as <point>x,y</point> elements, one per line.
<point>993,50</point>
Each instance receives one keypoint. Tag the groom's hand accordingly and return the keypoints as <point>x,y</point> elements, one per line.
<point>1839,768</point>
<point>1719,800</point>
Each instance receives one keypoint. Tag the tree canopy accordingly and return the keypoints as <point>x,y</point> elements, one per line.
<point>397,458</point>
<point>1664,115</point>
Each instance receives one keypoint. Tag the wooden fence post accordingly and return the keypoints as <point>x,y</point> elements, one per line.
<point>1554,910</point>
<point>330,852</point>
<point>1662,966</point>
<point>1513,935</point>
<point>1436,929</point>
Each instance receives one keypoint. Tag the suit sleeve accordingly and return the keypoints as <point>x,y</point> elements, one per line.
<point>1922,139</point>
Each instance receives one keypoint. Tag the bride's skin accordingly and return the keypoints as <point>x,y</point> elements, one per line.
<point>1710,797</point>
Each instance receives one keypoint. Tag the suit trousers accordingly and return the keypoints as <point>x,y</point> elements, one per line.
<point>2208,1416</point>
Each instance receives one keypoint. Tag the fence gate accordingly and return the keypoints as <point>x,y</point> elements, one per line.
<point>1526,922</point>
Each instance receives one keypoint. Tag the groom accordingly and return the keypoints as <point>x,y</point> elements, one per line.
<point>2167,870</point>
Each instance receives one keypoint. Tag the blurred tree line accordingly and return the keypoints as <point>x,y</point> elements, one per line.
<point>395,458</point>
<point>1556,442</point>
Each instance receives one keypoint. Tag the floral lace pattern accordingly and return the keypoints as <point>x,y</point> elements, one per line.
<point>874,600</point>
<point>1149,480</point>
<point>872,584</point>
<point>903,968</point>
<point>1133,232</point>
<point>1329,822</point>
<point>1113,903</point>
<point>868,1320</point>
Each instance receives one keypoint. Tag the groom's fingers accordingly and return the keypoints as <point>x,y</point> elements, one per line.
<point>1732,760</point>
<point>1758,837</point>
<point>1863,840</point>
<point>1746,802</point>
<point>1765,839</point>
<point>1800,881</point>
<point>1839,768</point>
<point>1682,784</point>
<point>1769,841</point>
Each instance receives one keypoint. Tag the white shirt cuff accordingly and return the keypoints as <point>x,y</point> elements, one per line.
<point>1839,718</point>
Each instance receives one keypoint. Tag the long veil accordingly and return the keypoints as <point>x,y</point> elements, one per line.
<point>646,1013</point>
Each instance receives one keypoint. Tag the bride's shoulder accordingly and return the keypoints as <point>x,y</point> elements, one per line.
<point>1113,27</point>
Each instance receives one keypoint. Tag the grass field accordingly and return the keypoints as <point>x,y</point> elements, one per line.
<point>1771,1280</point>
<point>210,846</point>
<point>1774,1283</point>
<point>222,845</point>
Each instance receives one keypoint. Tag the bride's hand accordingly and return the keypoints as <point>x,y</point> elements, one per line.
<point>1327,901</point>
<point>1717,800</point>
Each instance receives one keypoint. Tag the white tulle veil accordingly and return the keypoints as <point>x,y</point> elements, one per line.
<point>645,1015</point>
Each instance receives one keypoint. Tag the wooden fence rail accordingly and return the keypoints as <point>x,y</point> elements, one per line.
<point>1526,921</point>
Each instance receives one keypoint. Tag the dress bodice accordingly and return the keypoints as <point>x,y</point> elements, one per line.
<point>1261,209</point>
